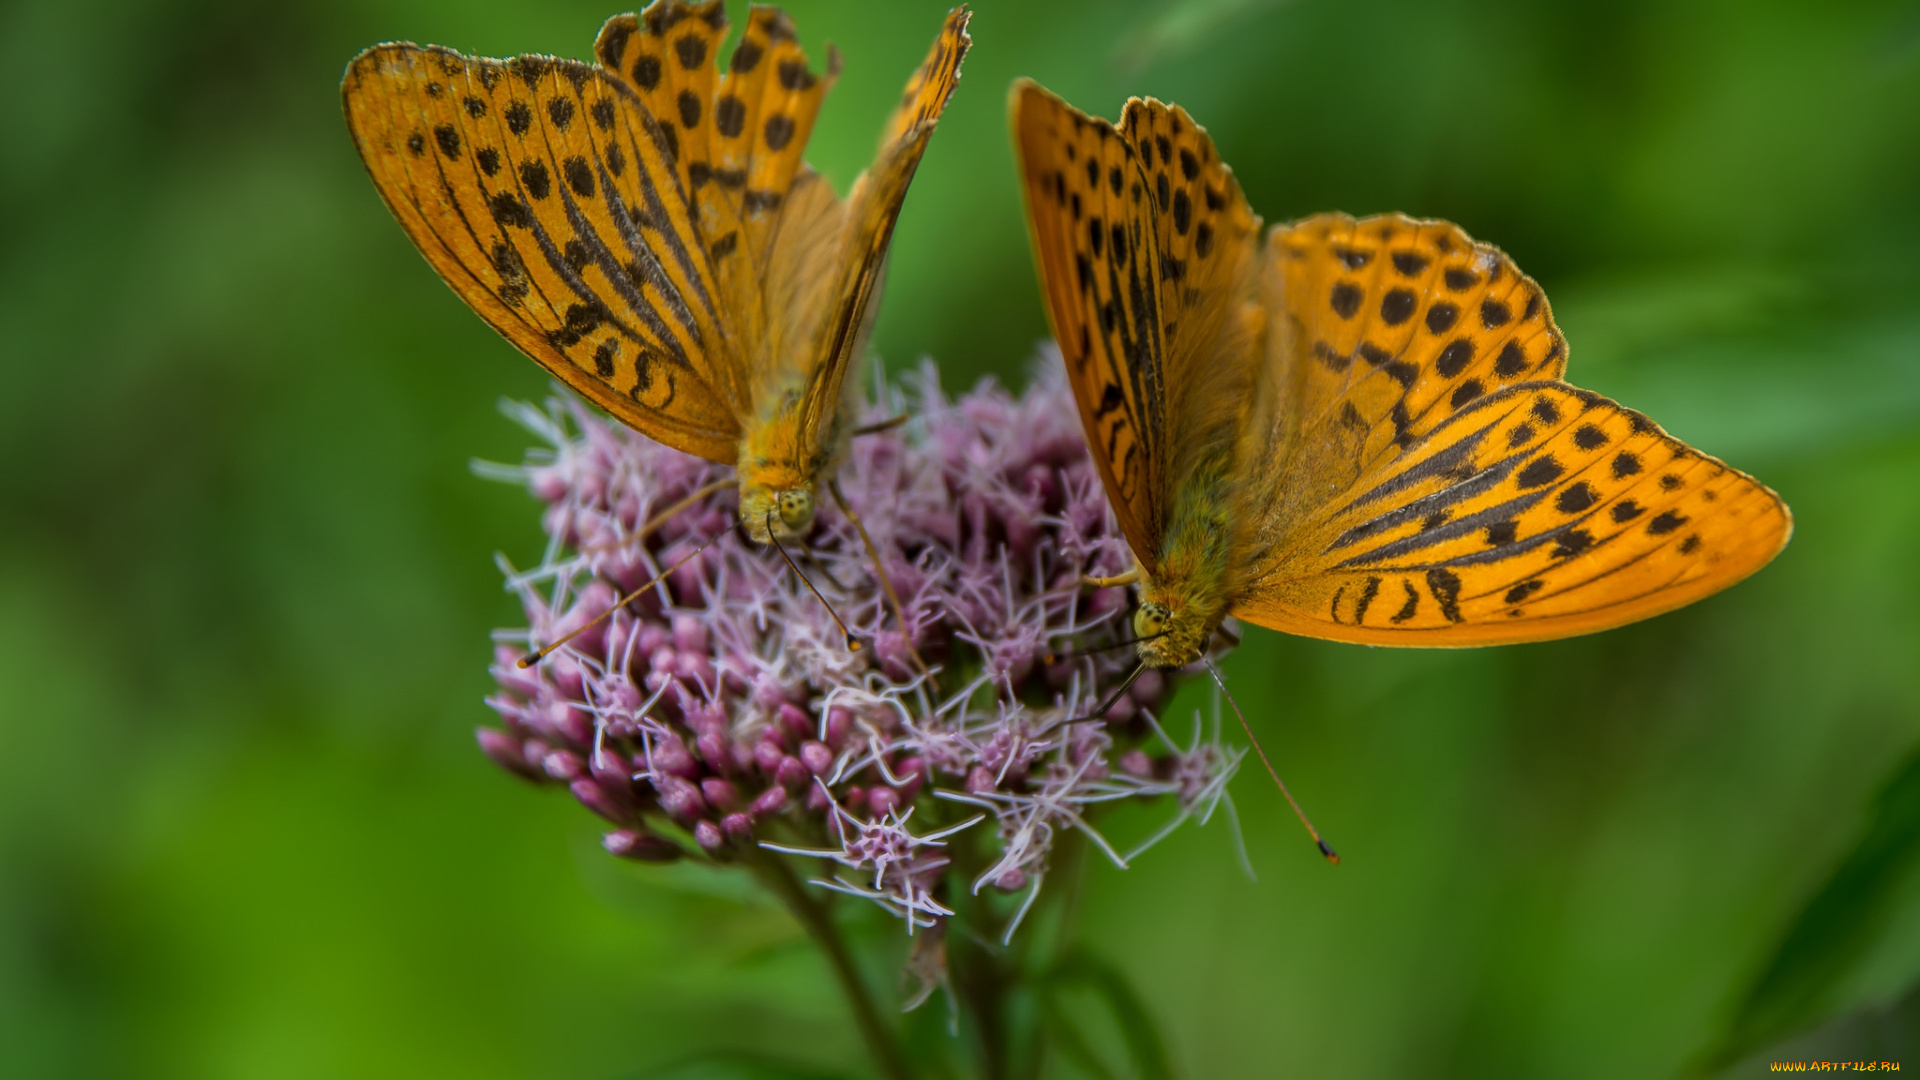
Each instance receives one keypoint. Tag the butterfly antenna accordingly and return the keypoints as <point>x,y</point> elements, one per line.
<point>879,571</point>
<point>1325,848</point>
<point>853,643</point>
<point>1101,712</point>
<point>879,426</point>
<point>1050,658</point>
<point>653,523</point>
<point>529,661</point>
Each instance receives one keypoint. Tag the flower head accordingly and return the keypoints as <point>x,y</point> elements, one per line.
<point>721,708</point>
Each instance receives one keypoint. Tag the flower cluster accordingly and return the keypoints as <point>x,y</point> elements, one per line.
<point>723,710</point>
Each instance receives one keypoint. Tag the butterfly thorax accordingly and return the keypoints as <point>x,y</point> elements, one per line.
<point>779,466</point>
<point>1185,594</point>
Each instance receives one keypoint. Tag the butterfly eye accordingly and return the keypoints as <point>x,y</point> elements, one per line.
<point>1149,620</point>
<point>796,510</point>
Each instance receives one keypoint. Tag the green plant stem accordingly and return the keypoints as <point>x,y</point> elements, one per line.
<point>776,875</point>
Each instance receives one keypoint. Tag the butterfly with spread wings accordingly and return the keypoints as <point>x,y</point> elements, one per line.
<point>1353,430</point>
<point>644,227</point>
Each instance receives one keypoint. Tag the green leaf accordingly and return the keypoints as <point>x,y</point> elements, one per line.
<point>1146,1050</point>
<point>1835,931</point>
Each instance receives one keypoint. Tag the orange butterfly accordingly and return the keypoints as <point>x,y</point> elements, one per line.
<point>1353,430</point>
<point>645,229</point>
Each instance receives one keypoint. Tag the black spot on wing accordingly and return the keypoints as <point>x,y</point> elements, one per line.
<point>1397,307</point>
<point>1666,523</point>
<point>538,182</point>
<point>1572,542</point>
<point>1523,590</point>
<point>1576,498</point>
<point>778,131</point>
<point>646,72</point>
<point>519,117</point>
<point>1346,299</point>
<point>692,51</point>
<point>1367,594</point>
<point>1445,586</point>
<point>1510,362</point>
<point>1539,472</point>
<point>1454,358</point>
<point>1409,609</point>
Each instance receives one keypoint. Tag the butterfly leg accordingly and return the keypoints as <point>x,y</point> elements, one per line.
<point>886,583</point>
<point>879,426</point>
<point>1127,578</point>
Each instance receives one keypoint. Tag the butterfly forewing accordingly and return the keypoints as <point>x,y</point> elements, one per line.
<point>539,190</point>
<point>1144,245</point>
<point>873,207</point>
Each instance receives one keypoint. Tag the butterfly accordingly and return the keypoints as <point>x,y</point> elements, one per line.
<point>645,229</point>
<point>1347,429</point>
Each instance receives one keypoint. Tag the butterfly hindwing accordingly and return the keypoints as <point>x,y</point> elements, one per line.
<point>539,190</point>
<point>1418,497</point>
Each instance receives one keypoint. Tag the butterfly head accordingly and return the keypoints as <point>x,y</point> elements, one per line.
<point>1170,635</point>
<point>767,513</point>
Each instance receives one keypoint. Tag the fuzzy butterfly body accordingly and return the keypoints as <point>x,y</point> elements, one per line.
<point>646,230</point>
<point>1354,430</point>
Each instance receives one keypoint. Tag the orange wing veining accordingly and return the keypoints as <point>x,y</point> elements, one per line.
<point>539,190</point>
<point>1429,480</point>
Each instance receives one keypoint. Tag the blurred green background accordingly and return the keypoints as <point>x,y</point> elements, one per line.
<point>246,577</point>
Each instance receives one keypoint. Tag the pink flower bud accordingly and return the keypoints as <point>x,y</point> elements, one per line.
<point>640,846</point>
<point>680,799</point>
<point>769,801</point>
<point>504,749</point>
<point>1136,763</point>
<point>708,835</point>
<point>695,669</point>
<point>738,826</point>
<point>980,779</point>
<point>767,755</point>
<point>720,793</point>
<point>796,721</point>
<point>652,638</point>
<point>712,748</point>
<point>670,756</point>
<point>599,802</point>
<point>664,659</point>
<point>564,765</point>
<point>689,635</point>
<point>790,773</point>
<point>882,801</point>
<point>816,757</point>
